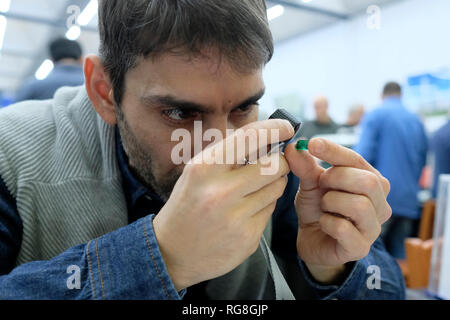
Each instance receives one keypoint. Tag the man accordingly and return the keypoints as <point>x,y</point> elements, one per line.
<point>323,124</point>
<point>393,140</point>
<point>68,71</point>
<point>95,208</point>
<point>355,116</point>
<point>440,146</point>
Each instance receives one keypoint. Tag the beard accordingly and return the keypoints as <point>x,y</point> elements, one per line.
<point>141,162</point>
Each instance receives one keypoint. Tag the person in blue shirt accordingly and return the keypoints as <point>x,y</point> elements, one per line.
<point>94,206</point>
<point>394,141</point>
<point>440,146</point>
<point>67,57</point>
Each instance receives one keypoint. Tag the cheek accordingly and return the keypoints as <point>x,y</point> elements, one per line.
<point>160,148</point>
<point>153,137</point>
<point>163,152</point>
<point>149,131</point>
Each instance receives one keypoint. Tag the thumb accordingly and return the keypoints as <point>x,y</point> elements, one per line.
<point>303,165</point>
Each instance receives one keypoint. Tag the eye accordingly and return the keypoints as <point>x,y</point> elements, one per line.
<point>246,109</point>
<point>180,115</point>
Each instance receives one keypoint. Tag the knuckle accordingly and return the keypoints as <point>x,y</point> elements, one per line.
<point>373,234</point>
<point>325,201</point>
<point>209,204</point>
<point>378,229</point>
<point>362,205</point>
<point>341,229</point>
<point>388,214</point>
<point>387,184</point>
<point>333,201</point>
<point>324,178</point>
<point>370,183</point>
<point>361,161</point>
<point>194,169</point>
<point>332,176</point>
<point>212,197</point>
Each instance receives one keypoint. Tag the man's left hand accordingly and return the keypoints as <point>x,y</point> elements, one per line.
<point>340,210</point>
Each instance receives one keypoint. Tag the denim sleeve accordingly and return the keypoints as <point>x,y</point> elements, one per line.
<point>376,277</point>
<point>10,230</point>
<point>124,264</point>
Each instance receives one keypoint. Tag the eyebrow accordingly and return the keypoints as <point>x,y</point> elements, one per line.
<point>171,101</point>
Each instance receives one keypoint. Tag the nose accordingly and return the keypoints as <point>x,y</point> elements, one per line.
<point>213,125</point>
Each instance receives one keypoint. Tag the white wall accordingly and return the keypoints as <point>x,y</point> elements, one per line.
<point>350,63</point>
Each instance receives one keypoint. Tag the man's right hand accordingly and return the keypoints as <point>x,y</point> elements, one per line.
<point>217,213</point>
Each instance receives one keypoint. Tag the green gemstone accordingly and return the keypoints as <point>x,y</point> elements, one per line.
<point>302,145</point>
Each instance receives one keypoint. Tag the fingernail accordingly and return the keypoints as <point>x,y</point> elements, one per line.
<point>319,146</point>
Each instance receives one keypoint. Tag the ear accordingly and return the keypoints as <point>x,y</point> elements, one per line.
<point>99,89</point>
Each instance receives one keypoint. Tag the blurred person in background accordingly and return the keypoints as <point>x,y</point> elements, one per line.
<point>355,116</point>
<point>394,141</point>
<point>68,71</point>
<point>323,124</point>
<point>440,146</point>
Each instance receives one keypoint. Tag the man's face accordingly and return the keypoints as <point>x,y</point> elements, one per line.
<point>172,92</point>
<point>321,109</point>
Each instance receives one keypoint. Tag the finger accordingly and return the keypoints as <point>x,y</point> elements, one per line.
<point>303,165</point>
<point>337,155</point>
<point>255,202</point>
<point>361,182</point>
<point>251,178</point>
<point>353,245</point>
<point>247,142</point>
<point>359,209</point>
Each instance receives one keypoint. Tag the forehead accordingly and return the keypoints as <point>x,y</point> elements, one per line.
<point>205,79</point>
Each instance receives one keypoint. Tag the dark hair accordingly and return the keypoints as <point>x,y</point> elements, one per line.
<point>63,48</point>
<point>133,29</point>
<point>392,89</point>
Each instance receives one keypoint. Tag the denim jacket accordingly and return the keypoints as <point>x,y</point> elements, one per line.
<point>127,263</point>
